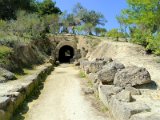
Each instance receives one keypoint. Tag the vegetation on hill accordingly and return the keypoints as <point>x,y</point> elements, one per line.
<point>114,33</point>
<point>23,32</point>
<point>30,22</point>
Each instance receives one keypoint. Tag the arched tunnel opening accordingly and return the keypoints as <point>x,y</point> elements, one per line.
<point>66,53</point>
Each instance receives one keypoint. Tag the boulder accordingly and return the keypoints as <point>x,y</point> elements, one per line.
<point>146,116</point>
<point>116,65</point>
<point>133,90</point>
<point>124,96</point>
<point>132,76</point>
<point>107,74</point>
<point>52,60</point>
<point>95,66</point>
<point>125,110</point>
<point>77,63</point>
<point>107,91</point>
<point>6,74</point>
<point>93,77</point>
<point>2,79</point>
<point>4,102</point>
<point>84,64</point>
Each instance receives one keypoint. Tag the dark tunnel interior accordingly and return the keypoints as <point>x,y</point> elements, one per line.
<point>66,53</point>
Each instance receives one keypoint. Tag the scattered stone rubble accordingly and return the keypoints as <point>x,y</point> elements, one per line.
<point>117,88</point>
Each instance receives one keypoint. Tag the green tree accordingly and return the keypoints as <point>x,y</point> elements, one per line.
<point>142,19</point>
<point>8,8</point>
<point>51,23</point>
<point>48,7</point>
<point>100,31</point>
<point>114,33</point>
<point>88,18</point>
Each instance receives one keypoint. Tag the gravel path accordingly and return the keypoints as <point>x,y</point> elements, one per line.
<point>61,98</point>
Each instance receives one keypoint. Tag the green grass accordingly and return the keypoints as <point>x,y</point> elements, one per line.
<point>90,84</point>
<point>26,71</point>
<point>82,74</point>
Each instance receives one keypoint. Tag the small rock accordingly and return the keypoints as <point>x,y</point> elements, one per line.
<point>6,74</point>
<point>57,63</point>
<point>124,96</point>
<point>2,79</point>
<point>76,63</point>
<point>88,91</point>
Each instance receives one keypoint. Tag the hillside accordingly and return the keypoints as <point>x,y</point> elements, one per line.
<point>128,54</point>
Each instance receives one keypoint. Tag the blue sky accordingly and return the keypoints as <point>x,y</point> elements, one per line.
<point>109,8</point>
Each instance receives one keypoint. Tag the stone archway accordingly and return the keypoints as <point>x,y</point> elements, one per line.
<point>66,51</point>
<point>66,54</point>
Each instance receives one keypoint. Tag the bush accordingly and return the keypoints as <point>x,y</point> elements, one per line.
<point>154,44</point>
<point>114,33</point>
<point>150,41</point>
<point>4,53</point>
<point>51,23</point>
<point>26,28</point>
<point>140,37</point>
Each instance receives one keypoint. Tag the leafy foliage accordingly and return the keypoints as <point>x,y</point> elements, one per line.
<point>48,7</point>
<point>8,8</point>
<point>142,19</point>
<point>100,31</point>
<point>114,33</point>
<point>4,53</point>
<point>81,20</point>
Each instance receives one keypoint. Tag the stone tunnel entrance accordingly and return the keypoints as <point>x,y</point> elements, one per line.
<point>66,53</point>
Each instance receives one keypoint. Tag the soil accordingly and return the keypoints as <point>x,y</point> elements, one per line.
<point>62,98</point>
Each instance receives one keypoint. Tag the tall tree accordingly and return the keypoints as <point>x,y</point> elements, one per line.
<point>88,18</point>
<point>144,14</point>
<point>142,17</point>
<point>8,8</point>
<point>48,7</point>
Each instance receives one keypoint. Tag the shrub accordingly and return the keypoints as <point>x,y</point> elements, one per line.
<point>115,34</point>
<point>4,53</point>
<point>51,23</point>
<point>154,44</point>
<point>140,37</point>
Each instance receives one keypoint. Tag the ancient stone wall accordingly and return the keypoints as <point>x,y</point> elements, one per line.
<point>14,93</point>
<point>119,88</point>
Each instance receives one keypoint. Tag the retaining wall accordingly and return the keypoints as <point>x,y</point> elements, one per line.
<point>14,93</point>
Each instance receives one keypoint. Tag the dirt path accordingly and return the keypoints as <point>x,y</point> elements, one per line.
<point>61,98</point>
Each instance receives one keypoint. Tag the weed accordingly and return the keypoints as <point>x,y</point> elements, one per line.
<point>82,74</point>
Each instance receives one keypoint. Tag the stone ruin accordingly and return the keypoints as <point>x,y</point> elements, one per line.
<point>117,86</point>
